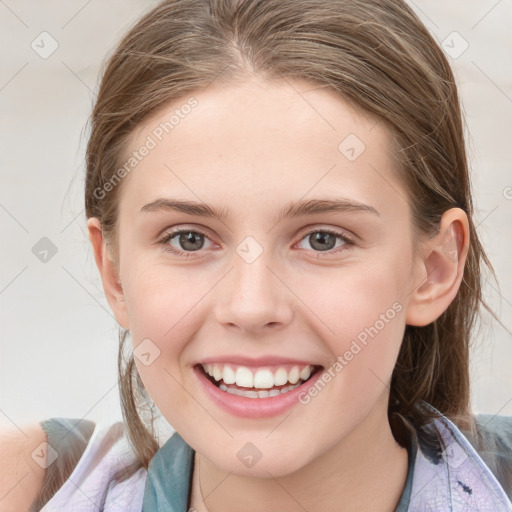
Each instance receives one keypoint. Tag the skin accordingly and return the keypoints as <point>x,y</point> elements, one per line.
<point>251,148</point>
<point>23,459</point>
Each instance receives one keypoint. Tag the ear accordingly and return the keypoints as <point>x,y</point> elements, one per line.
<point>109,273</point>
<point>442,261</point>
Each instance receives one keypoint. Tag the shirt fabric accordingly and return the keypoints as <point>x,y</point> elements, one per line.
<point>445,472</point>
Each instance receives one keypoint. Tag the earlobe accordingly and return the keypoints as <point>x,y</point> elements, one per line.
<point>442,265</point>
<point>109,272</point>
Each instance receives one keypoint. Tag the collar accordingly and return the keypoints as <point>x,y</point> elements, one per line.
<point>167,485</point>
<point>450,475</point>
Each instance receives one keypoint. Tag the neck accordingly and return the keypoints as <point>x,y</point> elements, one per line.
<point>365,471</point>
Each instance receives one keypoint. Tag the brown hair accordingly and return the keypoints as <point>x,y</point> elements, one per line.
<point>377,55</point>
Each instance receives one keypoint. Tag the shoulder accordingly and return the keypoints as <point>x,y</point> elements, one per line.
<point>498,428</point>
<point>475,452</point>
<point>67,440</point>
<point>492,439</point>
<point>22,468</point>
<point>494,435</point>
<point>90,467</point>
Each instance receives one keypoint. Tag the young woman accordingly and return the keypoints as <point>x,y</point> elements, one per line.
<point>279,207</point>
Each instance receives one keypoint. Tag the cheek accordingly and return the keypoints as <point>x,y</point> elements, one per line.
<point>162,303</point>
<point>164,308</point>
<point>349,300</point>
<point>360,314</point>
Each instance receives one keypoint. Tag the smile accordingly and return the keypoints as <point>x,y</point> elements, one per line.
<point>256,391</point>
<point>257,382</point>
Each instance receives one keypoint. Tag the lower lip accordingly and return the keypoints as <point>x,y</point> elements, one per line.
<point>245,407</point>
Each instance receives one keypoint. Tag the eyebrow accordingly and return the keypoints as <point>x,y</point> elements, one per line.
<point>296,209</point>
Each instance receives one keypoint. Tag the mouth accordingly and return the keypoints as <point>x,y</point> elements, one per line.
<point>256,391</point>
<point>267,382</point>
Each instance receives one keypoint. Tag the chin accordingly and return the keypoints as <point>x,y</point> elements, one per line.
<point>249,460</point>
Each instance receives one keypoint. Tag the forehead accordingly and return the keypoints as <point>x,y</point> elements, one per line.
<point>261,142</point>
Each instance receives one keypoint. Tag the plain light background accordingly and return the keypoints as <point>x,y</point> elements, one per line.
<point>58,338</point>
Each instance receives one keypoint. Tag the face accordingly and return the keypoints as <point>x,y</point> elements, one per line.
<point>268,323</point>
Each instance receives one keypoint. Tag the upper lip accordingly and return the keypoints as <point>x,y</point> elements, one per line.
<point>255,361</point>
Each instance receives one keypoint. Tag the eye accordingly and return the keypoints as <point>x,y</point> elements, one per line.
<point>325,240</point>
<point>185,241</point>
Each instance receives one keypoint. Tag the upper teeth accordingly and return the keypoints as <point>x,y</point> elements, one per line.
<point>261,378</point>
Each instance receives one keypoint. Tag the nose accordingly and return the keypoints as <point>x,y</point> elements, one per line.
<point>253,297</point>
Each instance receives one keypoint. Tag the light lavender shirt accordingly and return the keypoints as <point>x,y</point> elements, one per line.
<point>445,471</point>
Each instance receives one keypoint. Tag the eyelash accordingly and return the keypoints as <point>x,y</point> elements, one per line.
<point>164,241</point>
